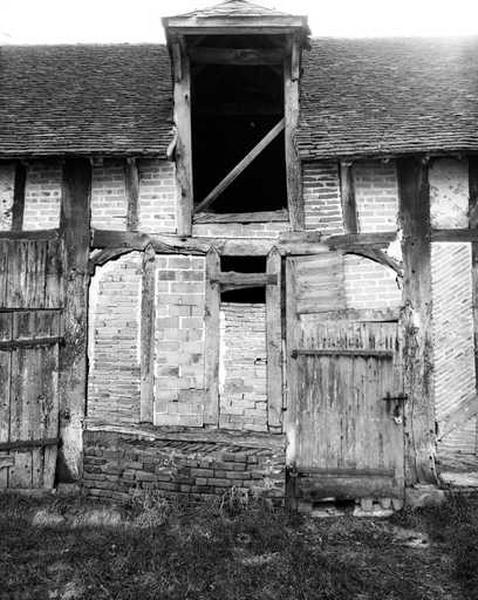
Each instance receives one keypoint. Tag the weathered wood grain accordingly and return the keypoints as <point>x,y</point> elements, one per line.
<point>271,216</point>
<point>131,177</point>
<point>347,194</point>
<point>212,333</point>
<point>235,56</point>
<point>148,303</point>
<point>19,185</point>
<point>274,342</point>
<point>414,196</point>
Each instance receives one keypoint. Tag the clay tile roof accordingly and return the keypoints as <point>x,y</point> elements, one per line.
<point>234,8</point>
<point>359,98</point>
<point>85,99</point>
<point>379,96</point>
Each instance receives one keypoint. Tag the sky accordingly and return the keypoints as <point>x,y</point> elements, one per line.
<point>118,21</point>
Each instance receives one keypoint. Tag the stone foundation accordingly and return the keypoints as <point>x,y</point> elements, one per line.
<point>119,463</point>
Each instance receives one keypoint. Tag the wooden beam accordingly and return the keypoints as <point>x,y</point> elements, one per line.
<point>34,235</point>
<point>236,56</point>
<point>148,329</point>
<point>233,280</point>
<point>212,333</point>
<point>131,177</point>
<point>19,186</point>
<point>416,318</point>
<point>292,159</point>
<point>454,235</point>
<point>473,222</point>
<point>183,150</point>
<point>74,226</point>
<point>274,343</point>
<point>347,194</point>
<point>272,216</point>
<point>240,167</point>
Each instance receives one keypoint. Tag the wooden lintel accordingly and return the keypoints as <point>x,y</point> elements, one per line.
<point>19,186</point>
<point>147,335</point>
<point>240,167</point>
<point>234,280</point>
<point>276,216</point>
<point>236,56</point>
<point>131,176</point>
<point>212,332</point>
<point>34,235</point>
<point>377,240</point>
<point>347,193</point>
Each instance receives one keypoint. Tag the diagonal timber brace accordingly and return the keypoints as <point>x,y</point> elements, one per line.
<point>240,167</point>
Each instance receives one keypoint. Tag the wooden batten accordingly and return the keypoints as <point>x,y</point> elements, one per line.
<point>235,56</point>
<point>212,333</point>
<point>416,321</point>
<point>131,177</point>
<point>274,343</point>
<point>148,314</point>
<point>347,193</point>
<point>19,196</point>
<point>292,159</point>
<point>183,151</point>
<point>271,216</point>
<point>74,226</point>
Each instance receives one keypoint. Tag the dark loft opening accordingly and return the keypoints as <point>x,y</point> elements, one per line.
<point>232,108</point>
<point>244,264</point>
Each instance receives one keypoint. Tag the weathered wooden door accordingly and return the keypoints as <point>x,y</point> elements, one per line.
<point>30,332</point>
<point>344,425</point>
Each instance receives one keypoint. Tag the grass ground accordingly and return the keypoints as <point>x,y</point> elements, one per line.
<point>65,550</point>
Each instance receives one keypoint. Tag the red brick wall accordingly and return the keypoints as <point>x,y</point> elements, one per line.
<point>376,195</point>
<point>243,366</point>
<point>42,195</point>
<point>179,389</point>
<point>114,329</point>
<point>453,345</point>
<point>369,284</point>
<point>109,206</point>
<point>117,466</point>
<point>321,191</point>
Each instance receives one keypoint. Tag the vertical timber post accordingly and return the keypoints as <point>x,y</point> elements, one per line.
<point>131,177</point>
<point>420,448</point>
<point>147,335</point>
<point>75,231</point>
<point>274,344</point>
<point>19,196</point>
<point>473,192</point>
<point>347,194</point>
<point>182,119</point>
<point>211,321</point>
<point>291,112</point>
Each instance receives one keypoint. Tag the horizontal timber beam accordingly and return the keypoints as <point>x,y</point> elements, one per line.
<point>454,235</point>
<point>276,216</point>
<point>35,235</point>
<point>235,56</point>
<point>232,280</point>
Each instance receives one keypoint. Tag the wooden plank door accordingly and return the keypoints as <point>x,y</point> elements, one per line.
<point>344,426</point>
<point>30,333</point>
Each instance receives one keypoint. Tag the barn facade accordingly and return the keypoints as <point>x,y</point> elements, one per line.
<point>246,259</point>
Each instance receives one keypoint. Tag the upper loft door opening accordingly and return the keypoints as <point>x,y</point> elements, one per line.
<point>237,127</point>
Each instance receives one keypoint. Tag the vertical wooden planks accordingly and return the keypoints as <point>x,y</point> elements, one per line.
<point>416,320</point>
<point>18,208</point>
<point>292,159</point>
<point>183,151</point>
<point>347,194</point>
<point>211,322</point>
<point>5,375</point>
<point>274,343</point>
<point>147,335</point>
<point>75,230</point>
<point>131,177</point>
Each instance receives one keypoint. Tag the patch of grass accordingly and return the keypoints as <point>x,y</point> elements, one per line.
<point>234,548</point>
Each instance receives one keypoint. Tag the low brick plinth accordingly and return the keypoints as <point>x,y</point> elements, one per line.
<point>117,464</point>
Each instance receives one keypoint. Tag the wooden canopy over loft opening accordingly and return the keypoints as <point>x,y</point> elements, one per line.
<point>236,91</point>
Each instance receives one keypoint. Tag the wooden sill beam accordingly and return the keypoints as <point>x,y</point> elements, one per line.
<point>235,56</point>
<point>276,216</point>
<point>240,167</point>
<point>231,280</point>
